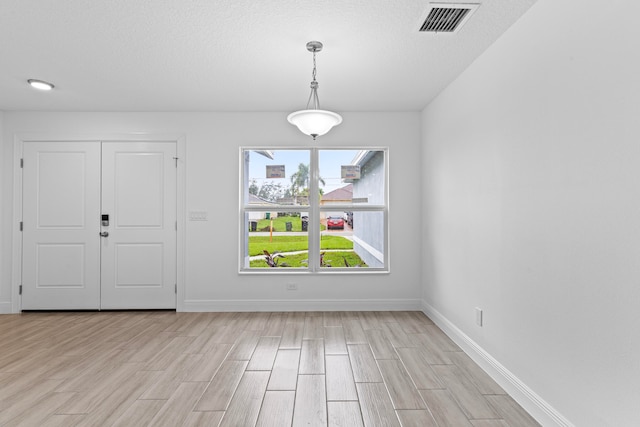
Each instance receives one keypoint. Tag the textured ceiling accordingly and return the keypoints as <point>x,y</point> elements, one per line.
<point>234,55</point>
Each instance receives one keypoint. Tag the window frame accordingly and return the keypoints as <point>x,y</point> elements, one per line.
<point>314,210</point>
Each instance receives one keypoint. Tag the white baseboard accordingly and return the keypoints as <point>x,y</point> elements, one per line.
<point>303,305</point>
<point>544,413</point>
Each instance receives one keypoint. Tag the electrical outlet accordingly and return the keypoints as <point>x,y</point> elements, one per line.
<point>478,316</point>
<point>292,287</point>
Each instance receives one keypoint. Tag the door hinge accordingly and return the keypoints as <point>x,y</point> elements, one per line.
<point>21,163</point>
<point>20,290</point>
<point>176,159</point>
<point>176,225</point>
<point>21,225</point>
<point>176,288</point>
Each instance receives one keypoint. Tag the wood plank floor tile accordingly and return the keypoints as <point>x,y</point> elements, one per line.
<point>209,363</point>
<point>224,334</point>
<point>385,317</point>
<point>444,408</point>
<point>284,375</point>
<point>312,357</point>
<point>334,340</point>
<point>369,321</point>
<point>90,399</point>
<point>38,411</point>
<point>482,380</point>
<point>202,343</point>
<point>277,409</point>
<point>244,346</point>
<point>62,420</point>
<point>140,413</point>
<point>292,335</point>
<point>169,379</point>
<point>472,402</point>
<point>441,339</point>
<point>364,366</point>
<point>403,393</point>
<point>489,423</point>
<point>353,332</point>
<point>416,418</point>
<point>203,419</point>
<point>376,406</point>
<point>310,404</point>
<point>112,405</point>
<point>146,348</point>
<point>264,355</point>
<point>418,368</point>
<point>257,321</point>
<point>97,368</point>
<point>176,410</point>
<point>432,353</point>
<point>511,412</point>
<point>339,377</point>
<point>220,391</point>
<point>332,318</point>
<point>275,325</point>
<point>245,405</point>
<point>313,328</point>
<point>344,414</point>
<point>380,345</point>
<point>397,336</point>
<point>92,369</point>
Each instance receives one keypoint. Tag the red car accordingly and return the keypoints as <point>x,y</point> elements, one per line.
<point>334,222</point>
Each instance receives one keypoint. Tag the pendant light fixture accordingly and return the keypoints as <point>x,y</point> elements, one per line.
<point>313,121</point>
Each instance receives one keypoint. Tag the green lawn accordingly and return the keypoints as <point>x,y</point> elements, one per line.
<point>257,244</point>
<point>333,259</point>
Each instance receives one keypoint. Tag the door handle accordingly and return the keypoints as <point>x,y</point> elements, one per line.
<point>104,234</point>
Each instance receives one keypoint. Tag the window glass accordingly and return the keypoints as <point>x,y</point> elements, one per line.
<point>278,239</point>
<point>314,210</point>
<point>280,177</point>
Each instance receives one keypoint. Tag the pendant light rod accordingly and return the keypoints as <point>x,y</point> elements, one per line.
<point>314,47</point>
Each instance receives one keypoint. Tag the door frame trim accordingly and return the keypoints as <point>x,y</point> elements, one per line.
<point>181,201</point>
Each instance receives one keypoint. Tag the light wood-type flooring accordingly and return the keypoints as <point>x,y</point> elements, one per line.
<point>242,369</point>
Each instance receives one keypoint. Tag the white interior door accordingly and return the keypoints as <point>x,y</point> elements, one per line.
<point>139,253</point>
<point>61,208</point>
<point>71,259</point>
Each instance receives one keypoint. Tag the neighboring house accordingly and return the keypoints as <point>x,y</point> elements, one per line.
<point>339,196</point>
<point>257,201</point>
<point>368,230</point>
<point>297,200</point>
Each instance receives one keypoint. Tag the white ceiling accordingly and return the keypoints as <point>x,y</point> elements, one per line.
<point>234,55</point>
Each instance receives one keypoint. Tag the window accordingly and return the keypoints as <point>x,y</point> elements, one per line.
<point>314,210</point>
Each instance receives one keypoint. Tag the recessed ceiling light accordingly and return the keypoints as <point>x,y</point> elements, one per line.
<point>40,84</point>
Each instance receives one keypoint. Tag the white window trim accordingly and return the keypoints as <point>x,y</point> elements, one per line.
<point>314,210</point>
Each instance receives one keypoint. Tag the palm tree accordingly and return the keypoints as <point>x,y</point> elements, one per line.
<point>300,181</point>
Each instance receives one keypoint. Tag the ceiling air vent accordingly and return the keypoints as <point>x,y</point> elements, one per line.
<point>446,17</point>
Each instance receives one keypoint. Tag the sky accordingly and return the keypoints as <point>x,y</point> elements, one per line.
<point>330,166</point>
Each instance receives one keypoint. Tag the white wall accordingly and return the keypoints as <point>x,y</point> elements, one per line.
<point>5,243</point>
<point>212,145</point>
<point>531,198</point>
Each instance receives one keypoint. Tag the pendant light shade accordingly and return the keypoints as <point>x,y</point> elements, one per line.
<point>313,121</point>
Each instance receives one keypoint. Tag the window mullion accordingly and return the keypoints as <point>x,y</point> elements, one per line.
<point>314,212</point>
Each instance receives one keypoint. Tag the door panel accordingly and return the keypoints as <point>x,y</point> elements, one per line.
<point>61,208</point>
<point>139,254</point>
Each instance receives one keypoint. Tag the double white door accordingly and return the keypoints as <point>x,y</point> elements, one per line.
<point>99,225</point>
